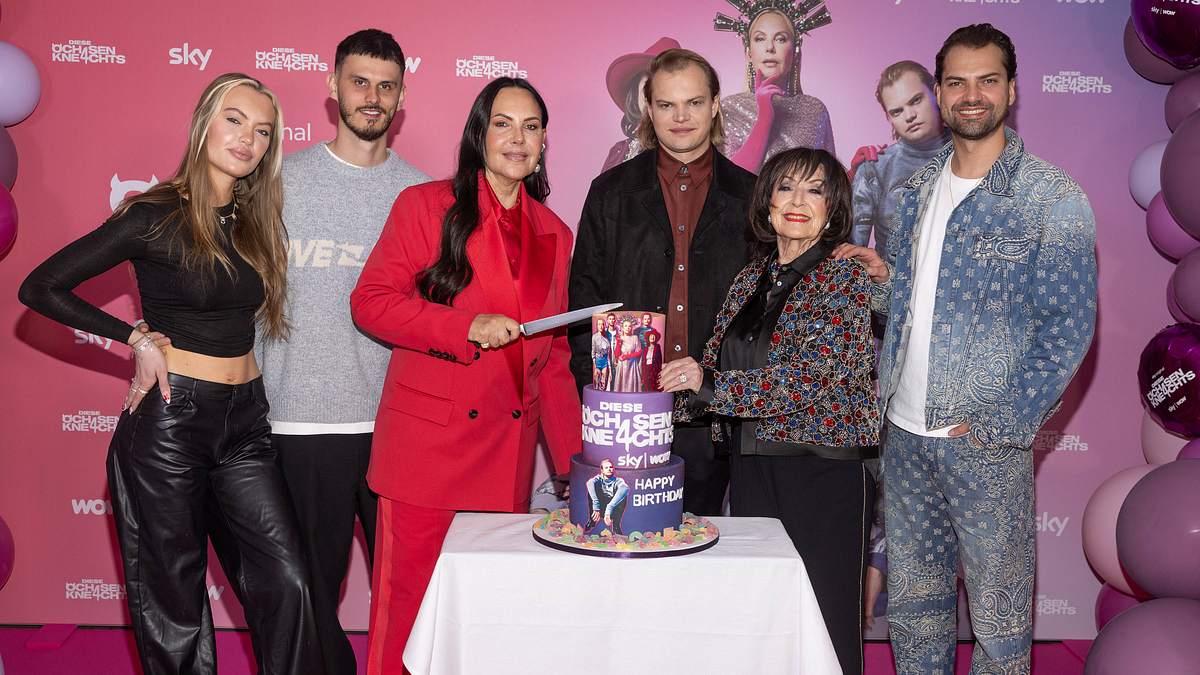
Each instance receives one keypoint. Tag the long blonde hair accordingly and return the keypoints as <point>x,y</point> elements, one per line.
<point>260,237</point>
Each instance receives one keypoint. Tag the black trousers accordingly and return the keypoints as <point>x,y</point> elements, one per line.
<point>705,474</point>
<point>826,506</point>
<point>209,448</point>
<point>327,477</point>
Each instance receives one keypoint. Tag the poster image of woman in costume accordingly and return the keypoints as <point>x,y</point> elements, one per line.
<point>629,359</point>
<point>774,114</point>
<point>625,78</point>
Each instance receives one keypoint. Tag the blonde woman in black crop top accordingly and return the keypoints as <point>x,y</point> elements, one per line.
<point>209,250</point>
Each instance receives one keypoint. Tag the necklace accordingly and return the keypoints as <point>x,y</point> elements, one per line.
<point>226,218</point>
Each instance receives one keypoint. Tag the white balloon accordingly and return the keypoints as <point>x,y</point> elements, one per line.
<point>1144,178</point>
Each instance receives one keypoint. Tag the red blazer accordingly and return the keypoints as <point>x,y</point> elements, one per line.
<point>457,426</point>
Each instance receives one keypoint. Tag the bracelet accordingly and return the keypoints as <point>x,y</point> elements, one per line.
<point>145,343</point>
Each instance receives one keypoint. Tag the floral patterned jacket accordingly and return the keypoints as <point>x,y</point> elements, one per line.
<point>816,387</point>
<point>1016,297</point>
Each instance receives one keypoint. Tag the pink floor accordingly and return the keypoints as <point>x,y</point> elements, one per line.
<point>109,651</point>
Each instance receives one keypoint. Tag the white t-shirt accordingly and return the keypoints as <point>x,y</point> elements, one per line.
<point>907,406</point>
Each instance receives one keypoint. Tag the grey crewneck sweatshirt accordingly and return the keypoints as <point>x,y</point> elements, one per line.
<point>328,376</point>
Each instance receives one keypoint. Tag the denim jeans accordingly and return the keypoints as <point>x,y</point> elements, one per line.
<point>949,499</point>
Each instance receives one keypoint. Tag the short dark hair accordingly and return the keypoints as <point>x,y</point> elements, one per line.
<point>803,162</point>
<point>978,36</point>
<point>673,61</point>
<point>370,42</point>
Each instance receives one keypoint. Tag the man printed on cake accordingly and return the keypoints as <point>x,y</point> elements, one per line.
<point>611,333</point>
<point>601,356</point>
<point>607,492</point>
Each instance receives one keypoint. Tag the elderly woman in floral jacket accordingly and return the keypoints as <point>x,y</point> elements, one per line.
<point>787,378</point>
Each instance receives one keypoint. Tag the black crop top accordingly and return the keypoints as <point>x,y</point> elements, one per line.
<point>202,312</point>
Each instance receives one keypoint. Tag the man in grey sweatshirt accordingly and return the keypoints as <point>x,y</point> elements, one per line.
<point>325,381</point>
<point>905,92</point>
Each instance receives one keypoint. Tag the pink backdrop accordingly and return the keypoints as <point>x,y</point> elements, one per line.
<point>119,84</point>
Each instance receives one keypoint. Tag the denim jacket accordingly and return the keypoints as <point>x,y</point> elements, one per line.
<point>1016,297</point>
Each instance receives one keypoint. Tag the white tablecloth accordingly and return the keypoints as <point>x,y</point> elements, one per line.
<point>499,602</point>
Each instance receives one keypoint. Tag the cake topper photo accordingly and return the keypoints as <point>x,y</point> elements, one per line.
<point>627,350</point>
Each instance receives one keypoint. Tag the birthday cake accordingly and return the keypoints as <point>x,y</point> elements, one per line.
<point>626,488</point>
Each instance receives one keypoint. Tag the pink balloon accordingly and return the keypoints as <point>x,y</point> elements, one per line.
<point>1111,602</point>
<point>1190,451</point>
<point>8,222</point>
<point>1159,445</point>
<point>1178,168</point>
<point>1185,283</point>
<point>1165,233</point>
<point>1157,637</point>
<point>20,83</point>
<point>1182,100</point>
<point>1158,531</point>
<point>7,553</point>
<point>1173,307</point>
<point>1145,63</point>
<point>1100,526</point>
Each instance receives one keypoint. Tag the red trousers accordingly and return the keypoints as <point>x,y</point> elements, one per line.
<point>408,540</point>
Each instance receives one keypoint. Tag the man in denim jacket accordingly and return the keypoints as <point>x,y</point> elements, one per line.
<point>989,284</point>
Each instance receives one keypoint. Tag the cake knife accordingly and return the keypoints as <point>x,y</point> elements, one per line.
<point>539,325</point>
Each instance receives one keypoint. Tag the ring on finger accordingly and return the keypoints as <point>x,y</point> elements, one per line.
<point>484,345</point>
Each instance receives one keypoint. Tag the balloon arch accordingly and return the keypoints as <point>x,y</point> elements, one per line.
<point>1141,527</point>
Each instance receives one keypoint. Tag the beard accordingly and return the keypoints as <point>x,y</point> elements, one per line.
<point>366,133</point>
<point>975,129</point>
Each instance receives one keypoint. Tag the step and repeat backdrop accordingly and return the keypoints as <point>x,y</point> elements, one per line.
<point>119,81</point>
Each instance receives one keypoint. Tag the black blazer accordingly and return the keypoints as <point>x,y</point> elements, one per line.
<point>624,250</point>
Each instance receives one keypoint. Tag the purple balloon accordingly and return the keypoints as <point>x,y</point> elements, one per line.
<point>1183,99</point>
<point>7,553</point>
<point>1157,636</point>
<point>1190,451</point>
<point>8,222</point>
<point>1177,313</point>
<point>1109,603</point>
<point>1167,379</point>
<point>1165,233</point>
<point>1145,63</point>
<point>20,87</point>
<point>1179,168</point>
<point>1170,29</point>
<point>8,159</point>
<point>1158,531</point>
<point>1145,173</point>
<point>1185,284</point>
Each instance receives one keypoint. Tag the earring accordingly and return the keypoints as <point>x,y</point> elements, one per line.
<point>537,168</point>
<point>826,225</point>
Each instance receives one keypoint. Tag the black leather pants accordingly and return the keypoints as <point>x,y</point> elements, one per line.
<point>212,441</point>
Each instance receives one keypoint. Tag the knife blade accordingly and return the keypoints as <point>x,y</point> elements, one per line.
<point>546,323</point>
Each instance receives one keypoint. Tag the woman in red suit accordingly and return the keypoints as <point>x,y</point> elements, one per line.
<point>460,264</point>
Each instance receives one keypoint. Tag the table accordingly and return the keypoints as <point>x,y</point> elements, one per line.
<point>499,602</point>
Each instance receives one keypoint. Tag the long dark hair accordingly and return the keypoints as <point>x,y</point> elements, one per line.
<point>446,278</point>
